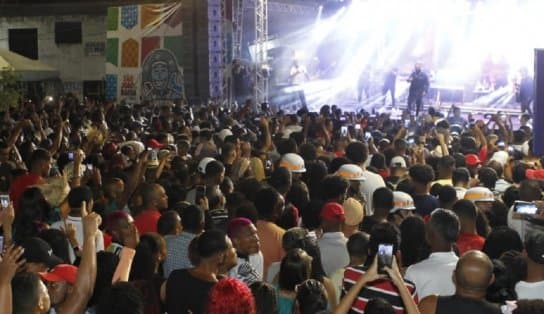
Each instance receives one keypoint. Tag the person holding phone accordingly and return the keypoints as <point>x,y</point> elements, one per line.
<point>371,276</point>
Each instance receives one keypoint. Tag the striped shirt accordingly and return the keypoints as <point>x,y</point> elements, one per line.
<point>383,288</point>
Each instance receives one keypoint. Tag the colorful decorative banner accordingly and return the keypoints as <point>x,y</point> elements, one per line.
<point>144,48</point>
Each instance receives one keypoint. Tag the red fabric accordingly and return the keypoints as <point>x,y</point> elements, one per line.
<point>20,185</point>
<point>384,173</point>
<point>467,242</point>
<point>533,174</point>
<point>107,239</point>
<point>146,221</point>
<point>483,154</point>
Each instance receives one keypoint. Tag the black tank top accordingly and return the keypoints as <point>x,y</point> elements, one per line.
<point>186,294</point>
<point>455,304</point>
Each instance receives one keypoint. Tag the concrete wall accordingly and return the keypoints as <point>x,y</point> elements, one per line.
<point>69,59</point>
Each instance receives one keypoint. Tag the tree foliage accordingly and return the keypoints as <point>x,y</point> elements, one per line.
<point>10,93</point>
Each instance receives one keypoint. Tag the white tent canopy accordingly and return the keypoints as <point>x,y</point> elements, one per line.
<point>27,69</point>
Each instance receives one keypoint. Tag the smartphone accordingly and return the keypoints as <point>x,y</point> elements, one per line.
<point>357,126</point>
<point>70,156</point>
<point>344,130</point>
<point>526,208</point>
<point>200,193</point>
<point>4,200</point>
<point>1,244</point>
<point>153,155</point>
<point>385,257</point>
<point>89,167</point>
<point>406,123</point>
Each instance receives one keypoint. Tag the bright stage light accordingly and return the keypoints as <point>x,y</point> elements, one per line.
<point>452,37</point>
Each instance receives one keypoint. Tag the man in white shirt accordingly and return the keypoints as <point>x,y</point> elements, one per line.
<point>76,197</point>
<point>434,274</point>
<point>533,285</point>
<point>357,153</point>
<point>334,252</point>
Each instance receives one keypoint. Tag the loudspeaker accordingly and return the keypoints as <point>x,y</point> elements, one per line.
<point>538,106</point>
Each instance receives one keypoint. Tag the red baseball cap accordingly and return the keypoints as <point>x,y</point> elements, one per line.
<point>472,160</point>
<point>153,143</point>
<point>333,212</point>
<point>61,272</point>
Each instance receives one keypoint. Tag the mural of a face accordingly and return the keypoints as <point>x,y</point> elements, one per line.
<point>159,75</point>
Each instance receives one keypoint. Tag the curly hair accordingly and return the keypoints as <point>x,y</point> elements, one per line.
<point>231,296</point>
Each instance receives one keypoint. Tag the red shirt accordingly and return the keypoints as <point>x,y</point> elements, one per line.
<point>467,242</point>
<point>20,185</point>
<point>146,221</point>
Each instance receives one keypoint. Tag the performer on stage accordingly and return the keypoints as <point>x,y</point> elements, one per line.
<point>240,81</point>
<point>363,86</point>
<point>419,84</point>
<point>389,85</point>
<point>298,76</point>
<point>525,92</point>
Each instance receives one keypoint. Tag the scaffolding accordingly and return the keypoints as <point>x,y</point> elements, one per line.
<point>261,71</point>
<point>238,7</point>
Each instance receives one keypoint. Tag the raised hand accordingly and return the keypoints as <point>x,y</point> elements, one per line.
<point>11,262</point>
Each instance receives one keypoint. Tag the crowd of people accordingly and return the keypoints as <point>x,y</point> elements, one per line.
<point>171,208</point>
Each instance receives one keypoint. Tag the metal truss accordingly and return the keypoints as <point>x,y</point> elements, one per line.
<point>261,58</point>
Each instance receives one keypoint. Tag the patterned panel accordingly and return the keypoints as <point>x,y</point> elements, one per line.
<point>111,87</point>
<point>149,13</point>
<point>149,44</point>
<point>175,45</point>
<point>129,16</point>
<point>113,18</point>
<point>129,54</point>
<point>112,51</point>
<point>175,18</point>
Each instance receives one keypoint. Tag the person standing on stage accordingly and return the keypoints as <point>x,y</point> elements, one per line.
<point>363,85</point>
<point>419,84</point>
<point>240,80</point>
<point>298,75</point>
<point>526,92</point>
<point>389,86</point>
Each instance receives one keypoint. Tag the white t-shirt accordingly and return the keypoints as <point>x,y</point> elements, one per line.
<point>372,182</point>
<point>530,290</point>
<point>78,225</point>
<point>433,275</point>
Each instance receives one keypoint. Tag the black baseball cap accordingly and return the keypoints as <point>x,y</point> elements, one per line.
<point>39,251</point>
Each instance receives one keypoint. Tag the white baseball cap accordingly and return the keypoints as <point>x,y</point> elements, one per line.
<point>398,162</point>
<point>293,162</point>
<point>351,172</point>
<point>402,201</point>
<point>203,163</point>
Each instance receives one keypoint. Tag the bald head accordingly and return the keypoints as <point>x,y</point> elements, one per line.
<point>473,274</point>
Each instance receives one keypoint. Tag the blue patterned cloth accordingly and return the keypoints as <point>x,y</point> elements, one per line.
<point>129,16</point>
<point>111,87</point>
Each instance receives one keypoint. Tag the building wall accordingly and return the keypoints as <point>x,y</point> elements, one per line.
<point>70,59</point>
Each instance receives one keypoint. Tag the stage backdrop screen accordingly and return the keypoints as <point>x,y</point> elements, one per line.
<point>143,53</point>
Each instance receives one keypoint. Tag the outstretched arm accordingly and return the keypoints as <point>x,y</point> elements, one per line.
<point>86,274</point>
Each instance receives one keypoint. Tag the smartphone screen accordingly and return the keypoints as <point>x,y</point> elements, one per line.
<point>526,208</point>
<point>4,200</point>
<point>385,257</point>
<point>70,156</point>
<point>1,244</point>
<point>344,130</point>
<point>367,136</point>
